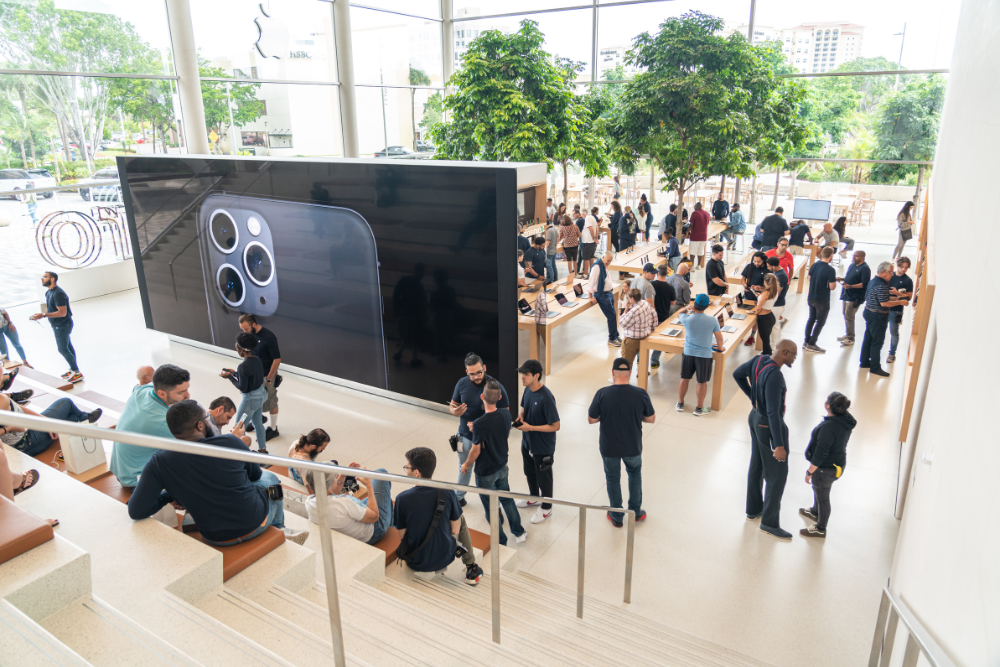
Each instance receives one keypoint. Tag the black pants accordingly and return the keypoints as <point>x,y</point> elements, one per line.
<point>765,469</point>
<point>871,346</point>
<point>818,310</point>
<point>539,481</point>
<point>764,325</point>
<point>822,481</point>
<point>614,239</point>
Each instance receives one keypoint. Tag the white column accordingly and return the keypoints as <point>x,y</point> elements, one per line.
<point>345,75</point>
<point>447,40</point>
<point>188,79</point>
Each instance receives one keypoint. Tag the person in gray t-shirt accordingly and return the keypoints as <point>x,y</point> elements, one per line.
<point>552,241</point>
<point>682,288</point>
<point>644,283</point>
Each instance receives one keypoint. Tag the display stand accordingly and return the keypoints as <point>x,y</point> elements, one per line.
<point>924,280</point>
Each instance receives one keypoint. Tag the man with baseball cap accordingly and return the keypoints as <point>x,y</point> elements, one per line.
<point>538,421</point>
<point>622,409</point>
<point>699,331</point>
<point>644,283</point>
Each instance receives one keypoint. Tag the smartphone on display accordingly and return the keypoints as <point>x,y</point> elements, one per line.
<point>307,272</point>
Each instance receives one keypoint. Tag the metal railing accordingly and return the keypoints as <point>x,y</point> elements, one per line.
<point>64,428</point>
<point>918,640</point>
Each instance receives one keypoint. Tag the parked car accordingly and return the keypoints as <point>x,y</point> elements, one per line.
<point>425,146</point>
<point>100,192</point>
<point>12,180</point>
<point>43,179</point>
<point>393,151</point>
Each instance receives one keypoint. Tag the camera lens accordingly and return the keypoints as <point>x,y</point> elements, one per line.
<point>258,263</point>
<point>230,284</point>
<point>224,232</point>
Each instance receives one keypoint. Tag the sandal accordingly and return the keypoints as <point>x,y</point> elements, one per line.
<point>5,384</point>
<point>28,480</point>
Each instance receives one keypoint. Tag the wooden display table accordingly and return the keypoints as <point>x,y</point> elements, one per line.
<point>641,253</point>
<point>802,264</point>
<point>557,316</point>
<point>675,345</point>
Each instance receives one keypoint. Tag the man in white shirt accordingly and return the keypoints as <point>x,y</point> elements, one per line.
<point>588,240</point>
<point>601,291</point>
<point>365,520</point>
<point>550,210</point>
<point>520,269</point>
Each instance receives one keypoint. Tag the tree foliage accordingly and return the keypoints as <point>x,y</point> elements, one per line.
<point>907,126</point>
<point>225,99</point>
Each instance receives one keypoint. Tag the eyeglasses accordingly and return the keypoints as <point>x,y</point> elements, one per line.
<point>407,468</point>
<point>476,374</point>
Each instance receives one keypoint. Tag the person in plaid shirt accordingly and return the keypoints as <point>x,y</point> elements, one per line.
<point>638,321</point>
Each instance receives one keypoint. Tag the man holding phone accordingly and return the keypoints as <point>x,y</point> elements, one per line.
<point>365,520</point>
<point>270,357</point>
<point>467,404</point>
<point>538,421</point>
<point>220,413</point>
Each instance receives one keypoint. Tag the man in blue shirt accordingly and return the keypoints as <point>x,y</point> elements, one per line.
<point>822,280</point>
<point>798,237</point>
<point>761,380</point>
<point>720,209</point>
<point>878,301</point>
<point>467,404</point>
<point>737,225</point>
<point>772,228</point>
<point>699,331</point>
<point>900,285</point>
<point>60,316</point>
<point>538,423</point>
<point>855,284</point>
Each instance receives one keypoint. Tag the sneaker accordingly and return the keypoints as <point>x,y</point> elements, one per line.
<point>750,341</point>
<point>297,536</point>
<point>462,502</point>
<point>66,374</point>
<point>10,378</point>
<point>22,397</point>
<point>262,451</point>
<point>879,371</point>
<point>641,516</point>
<point>614,522</point>
<point>541,515</point>
<point>473,573</point>
<point>74,378</point>
<point>776,532</point>
<point>841,339</point>
<point>813,348</point>
<point>847,343</point>
<point>890,359</point>
<point>522,537</point>
<point>679,407</point>
<point>526,503</point>
<point>270,433</point>
<point>808,513</point>
<point>812,531</point>
<point>754,517</point>
<point>698,412</point>
<point>615,343</point>
<point>653,365</point>
<point>95,415</point>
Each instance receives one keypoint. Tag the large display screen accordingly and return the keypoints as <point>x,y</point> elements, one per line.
<point>811,209</point>
<point>384,273</point>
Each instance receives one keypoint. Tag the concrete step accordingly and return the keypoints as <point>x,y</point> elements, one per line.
<point>25,643</point>
<point>105,637</point>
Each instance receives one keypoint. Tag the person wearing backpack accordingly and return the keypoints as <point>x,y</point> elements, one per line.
<point>430,523</point>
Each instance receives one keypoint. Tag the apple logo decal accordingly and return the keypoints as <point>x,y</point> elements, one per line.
<point>272,35</point>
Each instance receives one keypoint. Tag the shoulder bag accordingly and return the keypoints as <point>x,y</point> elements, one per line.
<point>403,552</point>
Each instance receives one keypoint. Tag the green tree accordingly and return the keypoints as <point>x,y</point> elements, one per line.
<point>871,88</point>
<point>433,110</point>
<point>510,101</point>
<point>224,100</point>
<point>907,126</point>
<point>418,77</point>
<point>580,134</point>
<point>604,102</point>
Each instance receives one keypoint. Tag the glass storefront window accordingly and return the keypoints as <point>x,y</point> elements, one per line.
<point>464,8</point>
<point>427,8</point>
<point>395,50</point>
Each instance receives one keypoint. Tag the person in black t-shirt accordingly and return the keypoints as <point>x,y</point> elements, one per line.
<point>753,276</point>
<point>270,357</point>
<point>414,512</point>
<point>665,297</point>
<point>535,258</point>
<point>772,228</point>
<point>900,286</point>
<point>539,421</point>
<point>798,237</point>
<point>489,457</point>
<point>249,379</point>
<point>715,272</point>
<point>822,280</point>
<point>60,316</point>
<point>622,409</point>
<point>467,403</point>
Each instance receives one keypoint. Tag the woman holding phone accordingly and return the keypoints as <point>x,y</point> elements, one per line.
<point>765,304</point>
<point>249,379</point>
<point>569,236</point>
<point>905,223</point>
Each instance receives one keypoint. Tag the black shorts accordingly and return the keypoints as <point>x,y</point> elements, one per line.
<point>587,250</point>
<point>571,253</point>
<point>699,365</point>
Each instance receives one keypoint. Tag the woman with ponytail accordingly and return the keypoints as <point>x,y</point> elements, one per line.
<point>306,448</point>
<point>827,456</point>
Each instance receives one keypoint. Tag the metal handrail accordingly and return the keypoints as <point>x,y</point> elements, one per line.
<point>48,425</point>
<point>918,641</point>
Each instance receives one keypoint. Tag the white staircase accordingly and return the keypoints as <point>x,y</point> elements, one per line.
<point>109,591</point>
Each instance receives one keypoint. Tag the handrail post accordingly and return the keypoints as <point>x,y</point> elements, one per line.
<point>883,614</point>
<point>912,652</point>
<point>581,560</point>
<point>890,636</point>
<point>629,548</point>
<point>329,572</point>
<point>495,562</point>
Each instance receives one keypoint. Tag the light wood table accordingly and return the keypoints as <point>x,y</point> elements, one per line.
<point>675,345</point>
<point>641,253</point>
<point>802,264</point>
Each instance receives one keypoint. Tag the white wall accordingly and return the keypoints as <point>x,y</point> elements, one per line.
<point>947,562</point>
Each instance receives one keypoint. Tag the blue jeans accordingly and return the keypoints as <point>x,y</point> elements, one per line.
<point>380,489</point>
<point>275,512</point>
<point>498,482</point>
<point>252,405</point>
<point>613,475</point>
<point>64,344</point>
<point>14,340</point>
<point>893,333</point>
<point>607,303</point>
<point>729,234</point>
<point>36,442</point>
<point>655,357</point>
<point>674,262</point>
<point>551,272</point>
<point>464,478</point>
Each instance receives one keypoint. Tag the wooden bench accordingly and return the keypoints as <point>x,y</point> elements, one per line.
<point>44,379</point>
<point>20,530</point>
<point>100,400</point>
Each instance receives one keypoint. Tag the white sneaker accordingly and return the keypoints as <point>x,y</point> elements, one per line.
<point>522,537</point>
<point>541,515</point>
<point>841,339</point>
<point>297,536</point>
<point>526,503</point>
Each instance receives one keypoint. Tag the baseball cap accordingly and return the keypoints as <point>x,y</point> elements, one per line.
<point>649,268</point>
<point>531,366</point>
<point>621,364</point>
<point>702,301</point>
